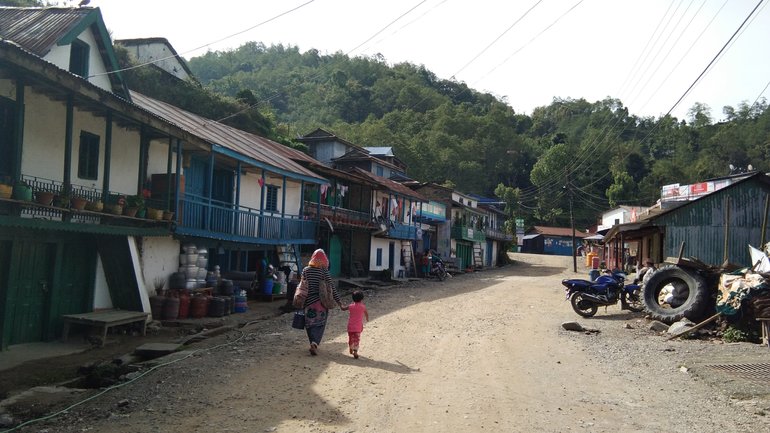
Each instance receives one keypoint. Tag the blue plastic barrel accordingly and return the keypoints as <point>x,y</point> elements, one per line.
<point>267,286</point>
<point>240,304</point>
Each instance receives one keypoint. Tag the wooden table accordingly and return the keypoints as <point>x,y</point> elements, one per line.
<point>104,320</point>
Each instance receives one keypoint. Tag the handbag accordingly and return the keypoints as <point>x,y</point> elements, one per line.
<point>298,322</point>
<point>300,294</point>
<point>326,293</point>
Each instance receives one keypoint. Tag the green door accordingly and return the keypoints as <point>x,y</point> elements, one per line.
<point>465,254</point>
<point>335,255</point>
<point>75,284</point>
<point>29,286</point>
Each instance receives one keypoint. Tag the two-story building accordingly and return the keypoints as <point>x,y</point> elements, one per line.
<point>73,131</point>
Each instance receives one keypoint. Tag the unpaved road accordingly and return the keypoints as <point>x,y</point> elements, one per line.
<point>478,353</point>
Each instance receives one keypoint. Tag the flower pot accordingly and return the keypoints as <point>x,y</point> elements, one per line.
<point>130,211</point>
<point>44,197</point>
<point>114,209</point>
<point>61,201</point>
<point>6,191</point>
<point>141,213</point>
<point>168,216</point>
<point>79,203</point>
<point>95,206</point>
<point>154,214</point>
<point>22,192</point>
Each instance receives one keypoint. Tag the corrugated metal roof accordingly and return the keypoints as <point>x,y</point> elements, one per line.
<point>381,151</point>
<point>39,29</point>
<point>559,231</point>
<point>389,184</point>
<point>244,143</point>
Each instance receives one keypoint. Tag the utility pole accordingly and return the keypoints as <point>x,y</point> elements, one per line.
<point>572,223</point>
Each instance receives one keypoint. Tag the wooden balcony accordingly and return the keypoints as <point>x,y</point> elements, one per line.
<point>498,235</point>
<point>338,216</point>
<point>467,233</point>
<point>201,217</point>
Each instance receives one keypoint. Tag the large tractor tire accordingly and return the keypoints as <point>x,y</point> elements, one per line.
<point>689,295</point>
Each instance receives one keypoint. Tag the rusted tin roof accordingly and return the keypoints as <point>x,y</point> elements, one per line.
<point>558,231</point>
<point>389,184</point>
<point>253,146</point>
<point>39,29</point>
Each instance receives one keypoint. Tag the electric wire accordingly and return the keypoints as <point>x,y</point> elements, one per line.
<point>122,384</point>
<point>386,27</point>
<point>496,39</point>
<point>273,18</point>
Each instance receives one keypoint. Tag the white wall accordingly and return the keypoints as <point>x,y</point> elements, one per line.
<point>60,56</point>
<point>102,298</point>
<point>155,51</point>
<point>251,192</point>
<point>44,136</point>
<point>385,245</point>
<point>159,257</point>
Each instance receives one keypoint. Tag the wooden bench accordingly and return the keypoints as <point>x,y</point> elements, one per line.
<point>104,320</point>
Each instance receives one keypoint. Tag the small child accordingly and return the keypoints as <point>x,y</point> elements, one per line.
<point>358,312</point>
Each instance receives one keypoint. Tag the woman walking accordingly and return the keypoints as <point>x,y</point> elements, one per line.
<point>315,313</point>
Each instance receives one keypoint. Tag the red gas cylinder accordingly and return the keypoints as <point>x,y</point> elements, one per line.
<point>184,305</point>
<point>199,306</point>
<point>170,309</point>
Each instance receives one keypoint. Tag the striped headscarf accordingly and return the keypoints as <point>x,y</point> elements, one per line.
<point>319,259</point>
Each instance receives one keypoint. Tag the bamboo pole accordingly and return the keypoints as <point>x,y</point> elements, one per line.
<point>764,221</point>
<point>696,327</point>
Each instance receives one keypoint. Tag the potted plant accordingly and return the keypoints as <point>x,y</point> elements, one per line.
<point>44,197</point>
<point>22,191</point>
<point>78,202</point>
<point>95,206</point>
<point>6,187</point>
<point>115,204</point>
<point>134,203</point>
<point>62,200</point>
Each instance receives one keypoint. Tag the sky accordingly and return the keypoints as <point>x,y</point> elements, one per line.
<point>647,53</point>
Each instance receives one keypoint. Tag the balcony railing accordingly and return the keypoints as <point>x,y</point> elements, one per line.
<point>498,235</point>
<point>402,231</point>
<point>210,218</point>
<point>467,233</point>
<point>339,216</point>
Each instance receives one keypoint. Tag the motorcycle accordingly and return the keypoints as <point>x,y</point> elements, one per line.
<point>438,268</point>
<point>586,296</point>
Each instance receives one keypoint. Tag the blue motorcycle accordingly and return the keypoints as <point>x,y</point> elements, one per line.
<point>586,296</point>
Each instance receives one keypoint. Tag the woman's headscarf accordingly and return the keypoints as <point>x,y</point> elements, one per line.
<point>319,259</point>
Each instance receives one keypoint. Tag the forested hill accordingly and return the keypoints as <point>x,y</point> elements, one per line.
<point>596,152</point>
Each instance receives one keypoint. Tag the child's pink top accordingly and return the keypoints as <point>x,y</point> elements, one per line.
<point>356,318</point>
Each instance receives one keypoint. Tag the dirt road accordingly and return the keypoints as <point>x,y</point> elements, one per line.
<point>483,352</point>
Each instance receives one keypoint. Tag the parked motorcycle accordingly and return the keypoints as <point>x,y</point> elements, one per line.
<point>586,296</point>
<point>438,268</point>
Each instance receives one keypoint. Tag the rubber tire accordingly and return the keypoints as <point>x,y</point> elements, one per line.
<point>575,301</point>
<point>441,275</point>
<point>697,298</point>
<point>636,307</point>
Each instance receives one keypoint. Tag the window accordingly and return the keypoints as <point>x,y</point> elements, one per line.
<point>379,170</point>
<point>79,58</point>
<point>271,198</point>
<point>88,157</point>
<point>379,257</point>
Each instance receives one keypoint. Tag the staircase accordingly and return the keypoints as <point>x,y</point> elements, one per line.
<point>478,256</point>
<point>407,256</point>
<point>289,256</point>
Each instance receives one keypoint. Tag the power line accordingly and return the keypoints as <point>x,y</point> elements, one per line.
<point>208,44</point>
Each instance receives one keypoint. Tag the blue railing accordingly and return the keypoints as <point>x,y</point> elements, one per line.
<point>235,222</point>
<point>402,231</point>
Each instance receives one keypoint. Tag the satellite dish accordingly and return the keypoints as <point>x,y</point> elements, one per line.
<point>750,167</point>
<point>732,167</point>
